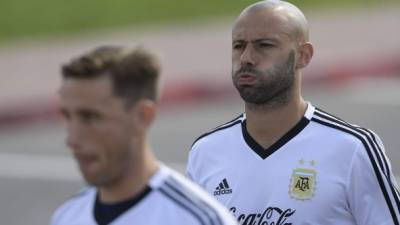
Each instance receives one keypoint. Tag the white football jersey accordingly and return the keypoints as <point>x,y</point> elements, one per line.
<point>171,200</point>
<point>324,171</point>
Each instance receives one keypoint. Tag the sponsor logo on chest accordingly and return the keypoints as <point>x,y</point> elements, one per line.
<point>270,216</point>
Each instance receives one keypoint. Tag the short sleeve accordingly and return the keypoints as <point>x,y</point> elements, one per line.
<point>372,192</point>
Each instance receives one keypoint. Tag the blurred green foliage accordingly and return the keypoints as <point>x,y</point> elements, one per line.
<point>25,18</point>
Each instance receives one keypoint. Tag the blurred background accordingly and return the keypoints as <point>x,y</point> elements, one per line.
<point>355,74</point>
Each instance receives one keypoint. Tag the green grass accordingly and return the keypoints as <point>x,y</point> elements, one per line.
<point>26,18</point>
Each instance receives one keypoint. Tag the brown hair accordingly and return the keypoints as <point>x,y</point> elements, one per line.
<point>133,72</point>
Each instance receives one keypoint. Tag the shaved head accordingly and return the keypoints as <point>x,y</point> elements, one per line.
<point>289,16</point>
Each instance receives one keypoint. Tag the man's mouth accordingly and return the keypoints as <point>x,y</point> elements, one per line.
<point>246,79</point>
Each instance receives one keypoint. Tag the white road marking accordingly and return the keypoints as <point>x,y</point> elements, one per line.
<point>379,92</point>
<point>379,101</point>
<point>46,167</point>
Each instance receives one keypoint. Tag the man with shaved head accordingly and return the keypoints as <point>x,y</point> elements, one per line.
<point>284,161</point>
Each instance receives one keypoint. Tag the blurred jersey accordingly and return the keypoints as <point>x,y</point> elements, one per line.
<point>169,199</point>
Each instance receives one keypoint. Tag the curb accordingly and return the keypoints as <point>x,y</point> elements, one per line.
<point>346,72</point>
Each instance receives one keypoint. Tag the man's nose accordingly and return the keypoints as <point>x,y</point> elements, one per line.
<point>74,135</point>
<point>247,57</point>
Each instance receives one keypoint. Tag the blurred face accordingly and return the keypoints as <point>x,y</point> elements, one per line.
<point>263,59</point>
<point>99,129</point>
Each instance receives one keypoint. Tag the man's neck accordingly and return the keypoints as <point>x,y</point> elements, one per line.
<point>133,181</point>
<point>267,125</point>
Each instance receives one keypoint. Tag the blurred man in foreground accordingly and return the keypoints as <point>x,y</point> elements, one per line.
<point>109,99</point>
<point>285,161</point>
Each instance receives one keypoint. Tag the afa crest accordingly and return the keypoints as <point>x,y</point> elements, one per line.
<point>302,183</point>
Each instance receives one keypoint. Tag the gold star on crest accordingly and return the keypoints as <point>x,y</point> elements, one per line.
<point>301,161</point>
<point>313,162</point>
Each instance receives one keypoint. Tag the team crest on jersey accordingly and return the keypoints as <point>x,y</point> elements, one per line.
<point>303,182</point>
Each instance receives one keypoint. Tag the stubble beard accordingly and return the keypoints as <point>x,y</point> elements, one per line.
<point>275,85</point>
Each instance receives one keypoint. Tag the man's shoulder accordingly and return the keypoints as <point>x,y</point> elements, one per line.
<point>189,199</point>
<point>75,205</point>
<point>341,129</point>
<point>173,184</point>
<point>218,132</point>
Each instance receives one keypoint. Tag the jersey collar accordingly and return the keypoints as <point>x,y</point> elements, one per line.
<point>264,153</point>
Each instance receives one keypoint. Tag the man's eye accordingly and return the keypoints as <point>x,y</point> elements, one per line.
<point>237,46</point>
<point>266,45</point>
<point>89,116</point>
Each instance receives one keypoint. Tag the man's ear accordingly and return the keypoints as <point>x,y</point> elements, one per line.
<point>305,53</point>
<point>145,113</point>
